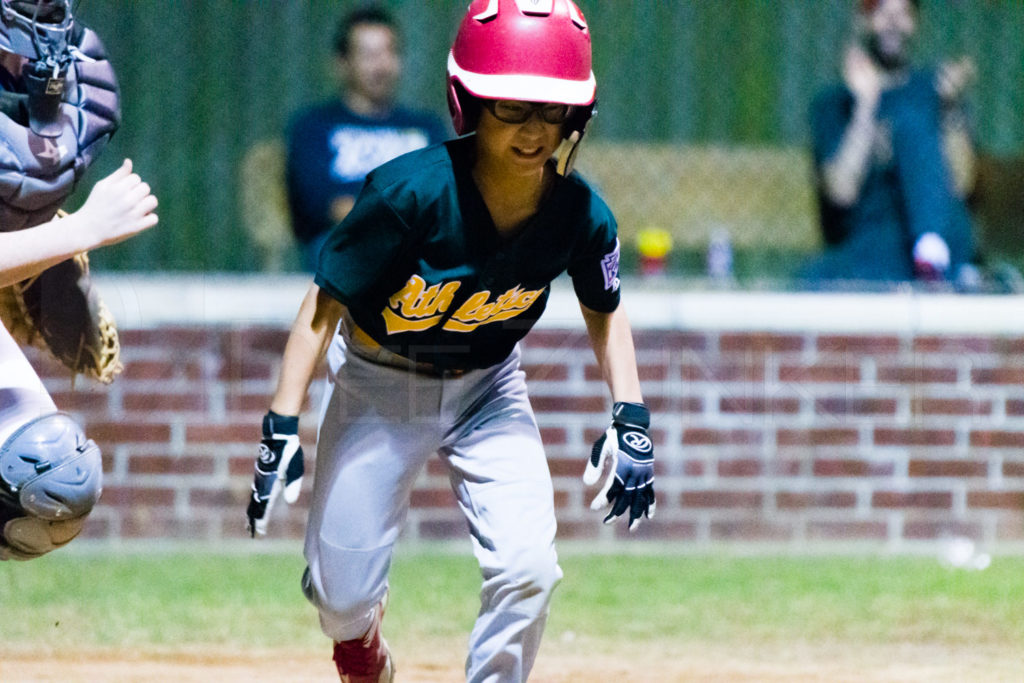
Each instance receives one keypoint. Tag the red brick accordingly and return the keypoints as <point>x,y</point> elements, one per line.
<point>722,371</point>
<point>915,437</point>
<point>1003,375</point>
<point>442,529</point>
<point>546,372</point>
<point>855,406</point>
<point>151,370</point>
<point>929,530</point>
<point>242,369</point>
<point>742,467</point>
<point>671,340</point>
<point>950,406</point>
<point>137,496</point>
<point>238,432</point>
<point>129,432</point>
<point>565,467</point>
<point>1013,469</point>
<point>847,531</point>
<point>242,466</point>
<point>719,437</point>
<point>947,468</point>
<point>646,372</point>
<point>167,527</point>
<point>997,439</point>
<point>148,464</point>
<point>838,374</point>
<point>90,401</point>
<point>760,343</point>
<point>588,530</point>
<point>912,499</point>
<point>556,339</point>
<point>158,402</point>
<point>570,404</point>
<point>674,405</point>
<point>263,340</point>
<point>193,338</point>
<point>750,530</point>
<point>659,528</point>
<point>783,467</point>
<point>1009,346</point>
<point>759,406</point>
<point>223,498</point>
<point>858,344</point>
<point>552,436</point>
<point>1014,407</point>
<point>432,498</point>
<point>251,403</point>
<point>954,345</point>
<point>1006,500</point>
<point>818,437</point>
<point>721,499</point>
<point>790,500</point>
<point>910,374</point>
<point>848,467</point>
<point>96,527</point>
<point>693,468</point>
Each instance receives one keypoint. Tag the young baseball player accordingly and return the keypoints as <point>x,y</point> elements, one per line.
<point>58,107</point>
<point>421,297</point>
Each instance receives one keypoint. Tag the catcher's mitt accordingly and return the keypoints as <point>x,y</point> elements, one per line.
<point>60,312</point>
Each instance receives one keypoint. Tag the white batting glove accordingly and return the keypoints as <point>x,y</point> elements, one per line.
<point>279,467</point>
<point>628,452</point>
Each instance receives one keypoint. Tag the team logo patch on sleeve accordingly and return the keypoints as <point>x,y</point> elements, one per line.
<point>610,268</point>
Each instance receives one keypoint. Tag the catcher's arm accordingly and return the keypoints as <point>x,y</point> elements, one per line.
<point>118,207</point>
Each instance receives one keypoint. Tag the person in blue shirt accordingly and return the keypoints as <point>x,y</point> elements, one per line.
<point>891,201</point>
<point>332,145</point>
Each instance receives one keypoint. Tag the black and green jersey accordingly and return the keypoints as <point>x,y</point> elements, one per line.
<point>422,269</point>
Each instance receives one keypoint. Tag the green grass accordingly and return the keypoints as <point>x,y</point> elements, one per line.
<point>243,600</point>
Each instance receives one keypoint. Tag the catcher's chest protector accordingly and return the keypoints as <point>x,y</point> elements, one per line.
<point>37,174</point>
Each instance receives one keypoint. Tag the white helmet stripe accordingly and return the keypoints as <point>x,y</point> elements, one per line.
<point>525,87</point>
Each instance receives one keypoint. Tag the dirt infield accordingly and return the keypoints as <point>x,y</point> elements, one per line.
<point>559,663</point>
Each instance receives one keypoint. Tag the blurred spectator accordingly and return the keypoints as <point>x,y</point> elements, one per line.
<point>331,146</point>
<point>893,159</point>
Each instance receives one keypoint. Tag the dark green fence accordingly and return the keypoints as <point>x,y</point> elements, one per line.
<point>203,80</point>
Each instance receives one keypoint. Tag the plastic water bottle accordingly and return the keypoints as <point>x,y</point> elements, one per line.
<point>719,257</point>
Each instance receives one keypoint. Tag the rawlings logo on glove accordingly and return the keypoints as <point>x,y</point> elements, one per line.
<point>628,452</point>
<point>279,467</point>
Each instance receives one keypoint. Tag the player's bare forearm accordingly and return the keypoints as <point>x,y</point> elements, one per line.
<point>25,253</point>
<point>310,335</point>
<point>611,337</point>
<point>119,206</point>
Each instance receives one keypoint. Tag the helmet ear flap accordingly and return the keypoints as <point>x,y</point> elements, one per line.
<point>463,107</point>
<point>579,119</point>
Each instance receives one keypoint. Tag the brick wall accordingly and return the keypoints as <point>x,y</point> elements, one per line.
<point>782,438</point>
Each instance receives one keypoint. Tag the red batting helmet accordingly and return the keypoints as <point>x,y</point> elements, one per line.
<point>531,50</point>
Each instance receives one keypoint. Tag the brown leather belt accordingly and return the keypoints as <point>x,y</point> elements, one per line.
<point>367,348</point>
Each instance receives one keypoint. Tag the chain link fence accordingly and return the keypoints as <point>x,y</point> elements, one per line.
<point>701,136</point>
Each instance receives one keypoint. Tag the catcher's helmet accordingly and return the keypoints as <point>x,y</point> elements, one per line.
<point>50,469</point>
<point>36,29</point>
<point>530,50</point>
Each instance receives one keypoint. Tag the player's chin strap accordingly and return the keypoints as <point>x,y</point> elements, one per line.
<point>567,153</point>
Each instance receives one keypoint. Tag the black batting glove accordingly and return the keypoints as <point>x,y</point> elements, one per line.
<point>627,451</point>
<point>279,467</point>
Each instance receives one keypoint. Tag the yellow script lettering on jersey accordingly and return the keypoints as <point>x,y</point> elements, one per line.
<point>417,307</point>
<point>476,310</point>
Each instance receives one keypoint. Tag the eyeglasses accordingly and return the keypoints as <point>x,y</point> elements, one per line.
<point>515,111</point>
